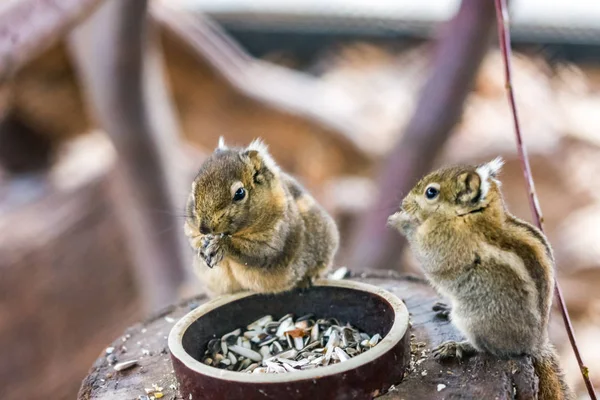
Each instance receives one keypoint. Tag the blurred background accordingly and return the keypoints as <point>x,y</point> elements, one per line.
<point>109,107</point>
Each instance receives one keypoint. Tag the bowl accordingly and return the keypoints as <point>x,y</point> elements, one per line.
<point>368,308</point>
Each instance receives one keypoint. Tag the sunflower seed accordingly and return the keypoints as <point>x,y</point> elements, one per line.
<point>288,354</point>
<point>285,325</point>
<point>248,353</point>
<point>287,316</point>
<point>267,340</point>
<point>289,367</point>
<point>232,358</point>
<point>214,346</point>
<point>122,366</point>
<point>225,361</point>
<point>314,333</point>
<point>318,360</point>
<point>276,348</point>
<point>261,322</point>
<point>271,328</point>
<point>265,352</point>
<point>339,273</point>
<point>374,340</point>
<point>224,348</point>
<point>305,317</point>
<point>233,334</point>
<point>243,364</point>
<point>333,340</point>
<point>271,366</point>
<point>251,334</point>
<point>286,345</point>
<point>342,355</point>
<point>302,324</point>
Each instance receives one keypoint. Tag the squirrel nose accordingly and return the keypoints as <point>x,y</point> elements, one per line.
<point>204,229</point>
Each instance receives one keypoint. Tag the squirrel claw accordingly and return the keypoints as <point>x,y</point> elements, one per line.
<point>211,252</point>
<point>452,349</point>
<point>442,310</point>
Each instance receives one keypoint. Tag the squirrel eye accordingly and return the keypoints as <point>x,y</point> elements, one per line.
<point>431,192</point>
<point>239,194</point>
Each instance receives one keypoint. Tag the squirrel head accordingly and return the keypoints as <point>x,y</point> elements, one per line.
<point>236,189</point>
<point>452,192</point>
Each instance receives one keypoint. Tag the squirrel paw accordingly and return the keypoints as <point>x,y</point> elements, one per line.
<point>452,349</point>
<point>211,251</point>
<point>305,283</point>
<point>442,310</point>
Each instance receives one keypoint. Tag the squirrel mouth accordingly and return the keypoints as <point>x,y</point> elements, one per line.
<point>402,220</point>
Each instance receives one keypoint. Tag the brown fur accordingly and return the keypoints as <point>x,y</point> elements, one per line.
<point>273,240</point>
<point>496,269</point>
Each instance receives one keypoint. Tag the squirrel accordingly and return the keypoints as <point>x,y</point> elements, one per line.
<point>254,227</point>
<point>497,270</point>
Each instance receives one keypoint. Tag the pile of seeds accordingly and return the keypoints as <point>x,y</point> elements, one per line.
<point>285,345</point>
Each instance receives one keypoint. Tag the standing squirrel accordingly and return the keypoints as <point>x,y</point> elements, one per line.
<point>497,270</point>
<point>253,227</point>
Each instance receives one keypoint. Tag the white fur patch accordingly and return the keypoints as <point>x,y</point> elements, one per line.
<point>262,149</point>
<point>489,171</point>
<point>222,145</point>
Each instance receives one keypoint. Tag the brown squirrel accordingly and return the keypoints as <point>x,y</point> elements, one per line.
<point>497,270</point>
<point>253,226</point>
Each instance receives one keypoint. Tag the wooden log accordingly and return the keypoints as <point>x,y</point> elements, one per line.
<point>119,63</point>
<point>480,377</point>
<point>31,26</point>
<point>66,279</point>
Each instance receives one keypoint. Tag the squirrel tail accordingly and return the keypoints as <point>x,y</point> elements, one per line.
<point>552,385</point>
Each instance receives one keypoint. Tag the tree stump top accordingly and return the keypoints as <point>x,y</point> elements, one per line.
<point>480,377</point>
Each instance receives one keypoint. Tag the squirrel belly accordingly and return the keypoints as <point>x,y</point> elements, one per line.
<point>231,277</point>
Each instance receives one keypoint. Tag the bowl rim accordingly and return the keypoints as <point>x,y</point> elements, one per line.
<point>387,343</point>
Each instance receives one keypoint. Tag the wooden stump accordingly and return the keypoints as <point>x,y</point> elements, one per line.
<point>66,280</point>
<point>480,377</point>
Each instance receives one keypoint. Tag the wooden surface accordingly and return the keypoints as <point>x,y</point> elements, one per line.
<point>480,377</point>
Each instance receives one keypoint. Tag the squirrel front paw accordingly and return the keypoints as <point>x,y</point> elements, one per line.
<point>305,283</point>
<point>442,310</point>
<point>211,250</point>
<point>452,349</point>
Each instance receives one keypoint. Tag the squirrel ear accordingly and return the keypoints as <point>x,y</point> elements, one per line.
<point>221,146</point>
<point>469,184</point>
<point>259,156</point>
<point>489,171</point>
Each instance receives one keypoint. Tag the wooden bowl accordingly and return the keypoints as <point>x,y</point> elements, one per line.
<point>368,308</point>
